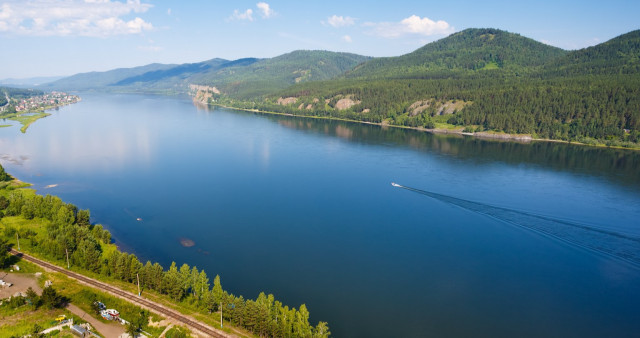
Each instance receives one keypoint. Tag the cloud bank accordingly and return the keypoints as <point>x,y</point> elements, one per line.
<point>94,18</point>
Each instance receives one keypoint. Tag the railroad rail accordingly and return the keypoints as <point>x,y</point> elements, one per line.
<point>153,306</point>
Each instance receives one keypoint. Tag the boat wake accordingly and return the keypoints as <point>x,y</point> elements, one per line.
<point>615,244</point>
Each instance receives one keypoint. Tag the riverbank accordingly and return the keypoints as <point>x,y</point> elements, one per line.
<point>452,131</point>
<point>29,111</point>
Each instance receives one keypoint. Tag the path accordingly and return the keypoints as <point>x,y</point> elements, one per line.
<point>106,330</point>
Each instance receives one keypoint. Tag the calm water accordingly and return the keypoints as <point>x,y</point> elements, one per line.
<point>305,210</point>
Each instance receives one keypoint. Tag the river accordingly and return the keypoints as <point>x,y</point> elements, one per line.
<point>488,238</point>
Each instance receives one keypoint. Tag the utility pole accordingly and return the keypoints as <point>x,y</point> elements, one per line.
<point>220,313</point>
<point>138,276</point>
<point>67,251</point>
<point>18,239</point>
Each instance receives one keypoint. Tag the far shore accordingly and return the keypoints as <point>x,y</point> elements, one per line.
<point>522,138</point>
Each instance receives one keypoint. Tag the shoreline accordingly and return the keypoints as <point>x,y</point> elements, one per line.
<point>520,138</point>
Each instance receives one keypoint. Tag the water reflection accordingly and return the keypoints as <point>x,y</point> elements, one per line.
<point>618,165</point>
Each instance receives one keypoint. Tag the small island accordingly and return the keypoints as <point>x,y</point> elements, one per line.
<point>27,105</point>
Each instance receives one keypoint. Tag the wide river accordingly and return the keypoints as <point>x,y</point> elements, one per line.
<point>483,238</point>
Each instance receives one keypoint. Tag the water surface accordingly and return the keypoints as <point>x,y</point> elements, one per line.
<point>304,209</point>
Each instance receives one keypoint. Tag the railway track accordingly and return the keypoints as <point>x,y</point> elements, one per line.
<point>198,326</point>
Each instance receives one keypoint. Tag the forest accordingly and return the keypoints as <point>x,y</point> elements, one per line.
<point>508,83</point>
<point>51,228</point>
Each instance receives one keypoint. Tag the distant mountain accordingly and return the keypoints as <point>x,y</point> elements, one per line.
<point>97,80</point>
<point>269,75</point>
<point>464,52</point>
<point>29,82</point>
<point>243,77</point>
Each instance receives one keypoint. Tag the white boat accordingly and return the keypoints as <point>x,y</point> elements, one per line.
<point>395,184</point>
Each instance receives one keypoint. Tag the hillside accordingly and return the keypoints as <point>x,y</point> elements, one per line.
<point>486,80</point>
<point>269,75</point>
<point>241,78</point>
<point>620,55</point>
<point>463,53</point>
<point>94,80</point>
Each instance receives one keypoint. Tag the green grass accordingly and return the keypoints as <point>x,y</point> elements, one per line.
<point>490,66</point>
<point>20,321</point>
<point>27,120</point>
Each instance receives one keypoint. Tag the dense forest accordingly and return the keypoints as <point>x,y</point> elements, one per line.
<point>508,83</point>
<point>57,228</point>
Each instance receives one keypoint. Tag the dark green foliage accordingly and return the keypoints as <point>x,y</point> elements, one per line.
<point>82,218</point>
<point>35,331</point>
<point>460,54</point>
<point>32,298</point>
<point>19,93</point>
<point>4,253</point>
<point>4,176</point>
<point>620,55</point>
<point>50,298</point>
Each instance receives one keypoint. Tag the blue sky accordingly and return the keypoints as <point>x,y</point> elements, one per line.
<point>51,38</point>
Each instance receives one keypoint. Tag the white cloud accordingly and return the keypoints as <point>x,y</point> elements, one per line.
<point>246,15</point>
<point>411,25</point>
<point>266,10</point>
<point>347,38</point>
<point>73,17</point>
<point>169,11</point>
<point>263,8</point>
<point>341,21</point>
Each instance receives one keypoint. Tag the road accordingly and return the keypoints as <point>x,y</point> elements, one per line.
<point>107,330</point>
<point>193,324</point>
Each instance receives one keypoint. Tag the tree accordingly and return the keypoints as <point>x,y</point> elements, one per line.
<point>32,298</point>
<point>3,175</point>
<point>50,298</point>
<point>35,331</point>
<point>4,253</point>
<point>83,217</point>
<point>132,329</point>
<point>217,291</point>
<point>173,282</point>
<point>185,277</point>
<point>321,330</point>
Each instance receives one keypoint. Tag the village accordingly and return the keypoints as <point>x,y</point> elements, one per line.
<point>46,101</point>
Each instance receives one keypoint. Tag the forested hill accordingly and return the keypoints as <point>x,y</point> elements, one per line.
<point>462,53</point>
<point>485,80</point>
<point>269,75</point>
<point>243,77</point>
<point>620,55</point>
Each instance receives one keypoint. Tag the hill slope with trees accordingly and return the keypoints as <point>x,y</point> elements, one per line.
<point>486,80</point>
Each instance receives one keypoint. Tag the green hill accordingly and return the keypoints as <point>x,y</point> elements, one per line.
<point>269,75</point>
<point>486,80</point>
<point>463,53</point>
<point>620,55</point>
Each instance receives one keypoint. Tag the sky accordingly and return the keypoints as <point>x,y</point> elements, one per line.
<point>60,38</point>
